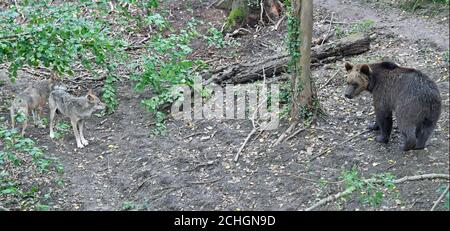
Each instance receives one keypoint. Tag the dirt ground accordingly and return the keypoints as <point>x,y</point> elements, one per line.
<point>192,168</point>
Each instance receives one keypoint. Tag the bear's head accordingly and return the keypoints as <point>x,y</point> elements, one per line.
<point>357,79</point>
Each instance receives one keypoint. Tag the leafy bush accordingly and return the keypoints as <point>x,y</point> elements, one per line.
<point>60,37</point>
<point>370,190</point>
<point>15,158</point>
<point>165,67</point>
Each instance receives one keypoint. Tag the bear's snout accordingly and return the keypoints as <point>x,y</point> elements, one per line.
<point>348,95</point>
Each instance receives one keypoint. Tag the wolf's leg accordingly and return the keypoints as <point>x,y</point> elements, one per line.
<point>25,121</point>
<point>81,127</point>
<point>24,126</point>
<point>40,113</point>
<point>76,133</point>
<point>13,120</point>
<point>52,106</point>
<point>33,112</point>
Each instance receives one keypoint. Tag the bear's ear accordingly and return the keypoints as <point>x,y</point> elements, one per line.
<point>348,66</point>
<point>365,69</point>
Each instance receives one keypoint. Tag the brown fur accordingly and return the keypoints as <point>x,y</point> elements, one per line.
<point>33,97</point>
<point>412,95</point>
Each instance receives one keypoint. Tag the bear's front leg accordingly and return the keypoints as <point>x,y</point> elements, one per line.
<point>384,121</point>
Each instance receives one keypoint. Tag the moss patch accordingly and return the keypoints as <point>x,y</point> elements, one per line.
<point>235,17</point>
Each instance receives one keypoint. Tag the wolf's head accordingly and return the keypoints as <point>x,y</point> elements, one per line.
<point>94,101</point>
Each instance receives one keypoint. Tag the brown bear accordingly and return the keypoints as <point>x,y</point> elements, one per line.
<point>412,95</point>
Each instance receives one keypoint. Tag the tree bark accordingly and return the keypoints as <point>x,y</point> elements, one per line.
<point>306,93</point>
<point>277,64</point>
<point>295,77</point>
<point>246,12</point>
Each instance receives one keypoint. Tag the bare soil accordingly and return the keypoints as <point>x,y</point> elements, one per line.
<point>192,168</point>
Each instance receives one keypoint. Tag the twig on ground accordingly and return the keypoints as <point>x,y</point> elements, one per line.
<point>255,128</point>
<point>312,180</point>
<point>236,157</point>
<point>328,81</point>
<point>207,182</point>
<point>350,189</point>
<point>194,134</point>
<point>142,42</point>
<point>215,3</point>
<point>277,25</point>
<point>285,133</point>
<point>235,32</point>
<point>295,133</point>
<point>440,198</point>
<point>268,16</point>
<point>334,22</point>
<point>329,29</point>
<point>200,165</point>
<point>332,148</point>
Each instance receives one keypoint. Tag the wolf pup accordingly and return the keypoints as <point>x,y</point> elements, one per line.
<point>412,95</point>
<point>33,97</point>
<point>78,109</point>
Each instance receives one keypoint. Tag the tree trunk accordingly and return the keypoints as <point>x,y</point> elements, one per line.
<point>277,64</point>
<point>248,12</point>
<point>306,93</point>
<point>297,7</point>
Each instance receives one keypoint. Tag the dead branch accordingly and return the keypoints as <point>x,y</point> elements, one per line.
<point>334,147</point>
<point>236,32</point>
<point>240,72</point>
<point>336,22</point>
<point>350,190</point>
<point>329,29</point>
<point>261,19</point>
<point>255,128</point>
<point>440,198</point>
<point>295,133</point>
<point>277,25</point>
<point>207,182</point>
<point>328,81</point>
<point>194,134</point>
<point>312,180</point>
<point>236,157</point>
<point>200,165</point>
<point>285,133</point>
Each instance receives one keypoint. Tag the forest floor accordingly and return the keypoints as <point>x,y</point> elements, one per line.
<point>192,167</point>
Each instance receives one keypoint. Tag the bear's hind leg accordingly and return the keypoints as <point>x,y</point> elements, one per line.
<point>409,135</point>
<point>422,136</point>
<point>384,121</point>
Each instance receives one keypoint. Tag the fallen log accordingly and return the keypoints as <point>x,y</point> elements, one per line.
<point>275,65</point>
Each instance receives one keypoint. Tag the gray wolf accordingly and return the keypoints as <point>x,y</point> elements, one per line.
<point>78,109</point>
<point>33,97</point>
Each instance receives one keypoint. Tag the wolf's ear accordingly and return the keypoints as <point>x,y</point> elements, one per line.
<point>365,69</point>
<point>348,66</point>
<point>90,97</point>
